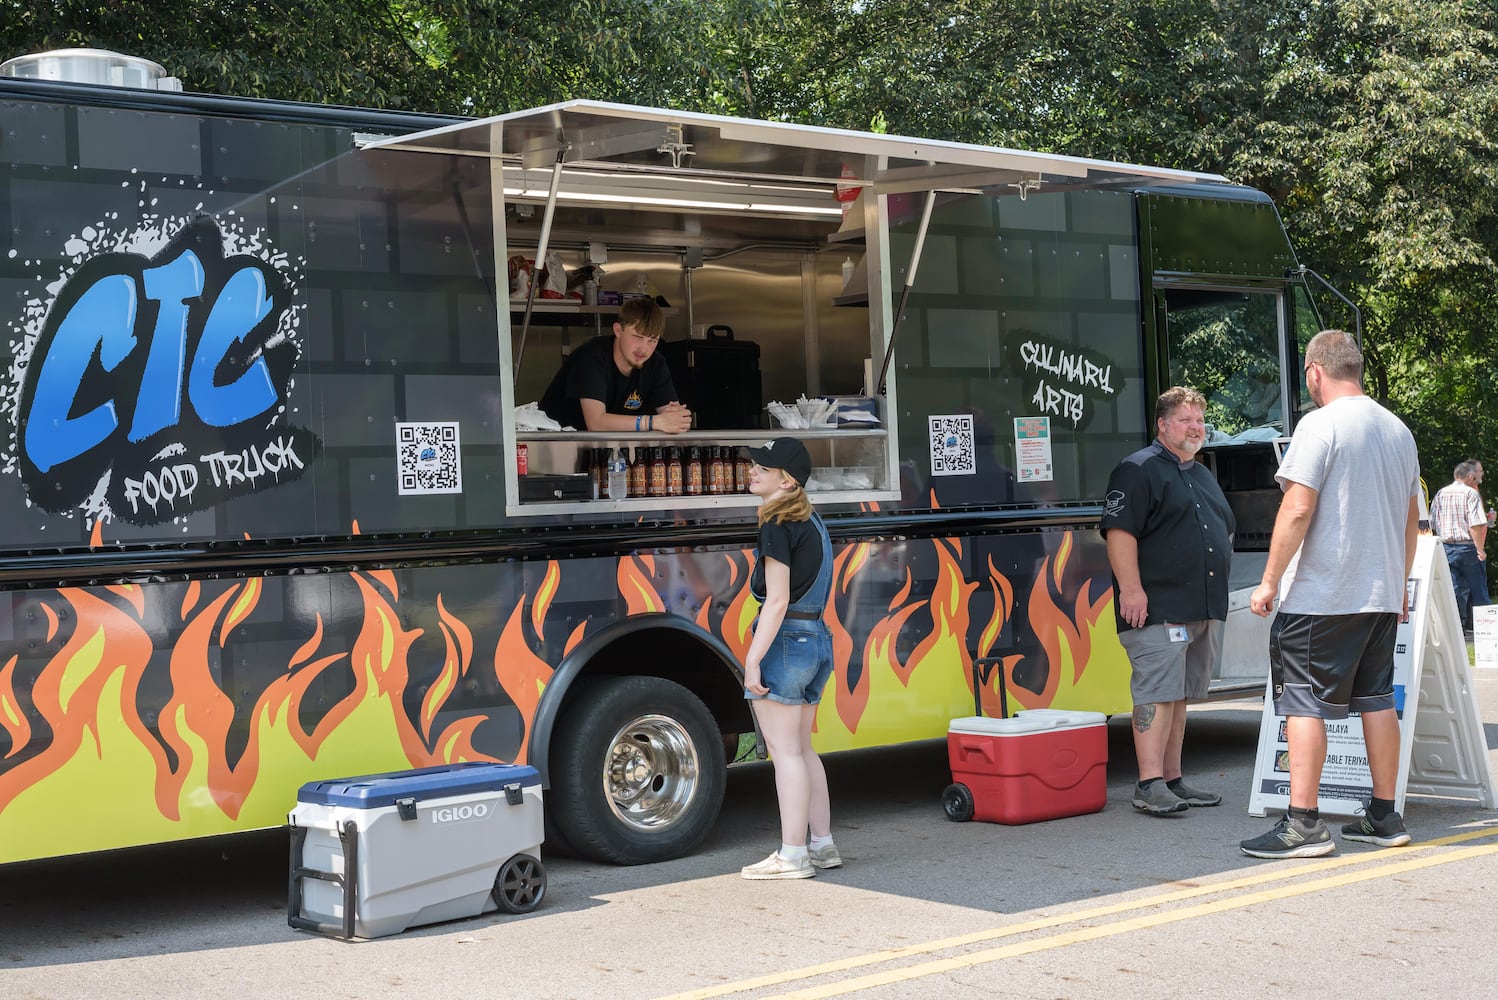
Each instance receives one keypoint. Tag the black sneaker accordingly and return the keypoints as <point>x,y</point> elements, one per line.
<point>1386,832</point>
<point>1291,839</point>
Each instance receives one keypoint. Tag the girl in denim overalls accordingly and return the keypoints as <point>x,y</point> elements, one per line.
<point>790,657</point>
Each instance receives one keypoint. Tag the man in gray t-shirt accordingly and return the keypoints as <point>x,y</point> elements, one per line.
<point>1343,546</point>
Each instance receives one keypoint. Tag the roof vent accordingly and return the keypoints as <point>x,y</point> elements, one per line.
<point>98,67</point>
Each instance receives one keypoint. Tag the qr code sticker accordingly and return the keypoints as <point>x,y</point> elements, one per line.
<point>427,459</point>
<point>952,445</point>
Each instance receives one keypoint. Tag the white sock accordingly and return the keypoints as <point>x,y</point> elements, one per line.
<point>820,842</point>
<point>790,853</point>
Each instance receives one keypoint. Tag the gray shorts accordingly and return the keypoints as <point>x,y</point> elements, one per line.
<point>1166,671</point>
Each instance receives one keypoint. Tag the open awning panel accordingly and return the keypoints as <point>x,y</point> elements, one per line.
<point>590,135</point>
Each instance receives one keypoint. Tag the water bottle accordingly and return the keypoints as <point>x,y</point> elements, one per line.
<point>618,476</point>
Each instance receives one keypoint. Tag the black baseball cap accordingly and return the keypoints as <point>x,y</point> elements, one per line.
<point>784,453</point>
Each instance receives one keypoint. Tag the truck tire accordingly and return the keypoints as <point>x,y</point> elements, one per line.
<point>637,770</point>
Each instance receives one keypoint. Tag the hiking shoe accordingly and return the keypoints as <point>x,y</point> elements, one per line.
<point>1195,796</point>
<point>1158,800</point>
<point>1291,839</point>
<point>825,857</point>
<point>1386,832</point>
<point>776,867</point>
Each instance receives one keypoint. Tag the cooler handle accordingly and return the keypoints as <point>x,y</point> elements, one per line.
<point>969,749</point>
<point>983,669</point>
<point>726,331</point>
<point>348,838</point>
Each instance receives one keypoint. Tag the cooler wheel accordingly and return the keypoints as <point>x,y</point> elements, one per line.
<point>957,800</point>
<point>520,884</point>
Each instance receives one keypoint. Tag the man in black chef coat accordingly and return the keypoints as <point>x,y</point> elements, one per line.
<point>1169,532</point>
<point>619,383</point>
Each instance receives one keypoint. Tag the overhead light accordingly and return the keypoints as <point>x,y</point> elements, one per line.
<point>599,198</point>
<point>674,192</point>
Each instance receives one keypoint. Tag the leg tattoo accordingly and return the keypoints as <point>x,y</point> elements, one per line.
<point>1144,717</point>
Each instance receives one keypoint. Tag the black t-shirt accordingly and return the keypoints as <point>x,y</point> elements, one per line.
<point>1185,530</point>
<point>590,373</point>
<point>798,544</point>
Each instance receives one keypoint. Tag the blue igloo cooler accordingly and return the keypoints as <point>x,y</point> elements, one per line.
<point>376,854</point>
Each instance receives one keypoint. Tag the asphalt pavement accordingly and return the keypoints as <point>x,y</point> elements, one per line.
<point>1082,907</point>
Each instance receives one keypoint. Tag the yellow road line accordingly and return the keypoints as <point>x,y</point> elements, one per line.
<point>1128,926</point>
<point>1276,874</point>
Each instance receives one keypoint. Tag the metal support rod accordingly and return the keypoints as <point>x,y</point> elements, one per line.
<point>546,219</point>
<point>811,332</point>
<point>1357,314</point>
<point>915,262</point>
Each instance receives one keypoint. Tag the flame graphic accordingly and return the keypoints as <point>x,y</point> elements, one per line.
<point>640,595</point>
<point>17,729</point>
<point>522,673</point>
<point>152,713</point>
<point>1077,677</point>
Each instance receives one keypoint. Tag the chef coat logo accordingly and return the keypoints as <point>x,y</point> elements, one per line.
<point>633,402</point>
<point>1113,503</point>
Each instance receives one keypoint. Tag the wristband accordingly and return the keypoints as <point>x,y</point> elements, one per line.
<point>637,423</point>
<point>652,421</point>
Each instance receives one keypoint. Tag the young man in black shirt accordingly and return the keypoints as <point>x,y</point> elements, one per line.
<point>619,383</point>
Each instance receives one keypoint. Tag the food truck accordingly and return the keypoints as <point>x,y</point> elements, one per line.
<point>276,508</point>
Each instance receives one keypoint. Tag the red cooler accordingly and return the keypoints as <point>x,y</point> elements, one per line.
<point>1041,764</point>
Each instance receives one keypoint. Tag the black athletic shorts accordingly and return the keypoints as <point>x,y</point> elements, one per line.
<point>1325,666</point>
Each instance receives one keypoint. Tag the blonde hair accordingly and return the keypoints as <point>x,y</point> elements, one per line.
<point>792,505</point>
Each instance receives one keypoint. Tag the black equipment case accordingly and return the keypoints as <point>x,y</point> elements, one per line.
<point>718,379</point>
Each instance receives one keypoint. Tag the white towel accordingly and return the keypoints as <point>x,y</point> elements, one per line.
<point>530,417</point>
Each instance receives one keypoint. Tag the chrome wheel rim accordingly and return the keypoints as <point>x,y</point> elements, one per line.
<point>651,772</point>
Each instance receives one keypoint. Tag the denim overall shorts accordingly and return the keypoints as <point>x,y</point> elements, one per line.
<point>796,666</point>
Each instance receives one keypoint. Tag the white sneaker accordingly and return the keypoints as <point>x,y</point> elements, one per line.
<point>825,857</point>
<point>776,867</point>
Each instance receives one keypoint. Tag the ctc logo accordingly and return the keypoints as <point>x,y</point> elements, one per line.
<point>139,354</point>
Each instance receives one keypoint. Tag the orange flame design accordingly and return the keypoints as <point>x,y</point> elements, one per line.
<point>1078,677</point>
<point>90,682</point>
<point>11,716</point>
<point>640,595</point>
<point>359,694</point>
<point>849,699</point>
<point>459,643</point>
<point>518,669</point>
<point>200,712</point>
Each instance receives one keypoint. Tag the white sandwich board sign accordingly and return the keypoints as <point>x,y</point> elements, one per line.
<point>1442,749</point>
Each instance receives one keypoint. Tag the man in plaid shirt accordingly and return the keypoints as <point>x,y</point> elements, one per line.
<point>1457,518</point>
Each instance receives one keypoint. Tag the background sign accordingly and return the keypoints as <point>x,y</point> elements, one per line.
<point>1437,712</point>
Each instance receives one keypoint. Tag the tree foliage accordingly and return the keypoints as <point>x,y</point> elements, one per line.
<point>1372,125</point>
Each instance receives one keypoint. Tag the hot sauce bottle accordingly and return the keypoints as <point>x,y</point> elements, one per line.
<point>694,474</point>
<point>639,474</point>
<point>598,470</point>
<point>675,475</point>
<point>657,484</point>
<point>741,473</point>
<point>714,471</point>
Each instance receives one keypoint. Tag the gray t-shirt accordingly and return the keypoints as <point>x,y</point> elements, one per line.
<point>1361,461</point>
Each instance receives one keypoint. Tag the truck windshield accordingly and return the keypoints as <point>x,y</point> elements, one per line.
<point>1226,345</point>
